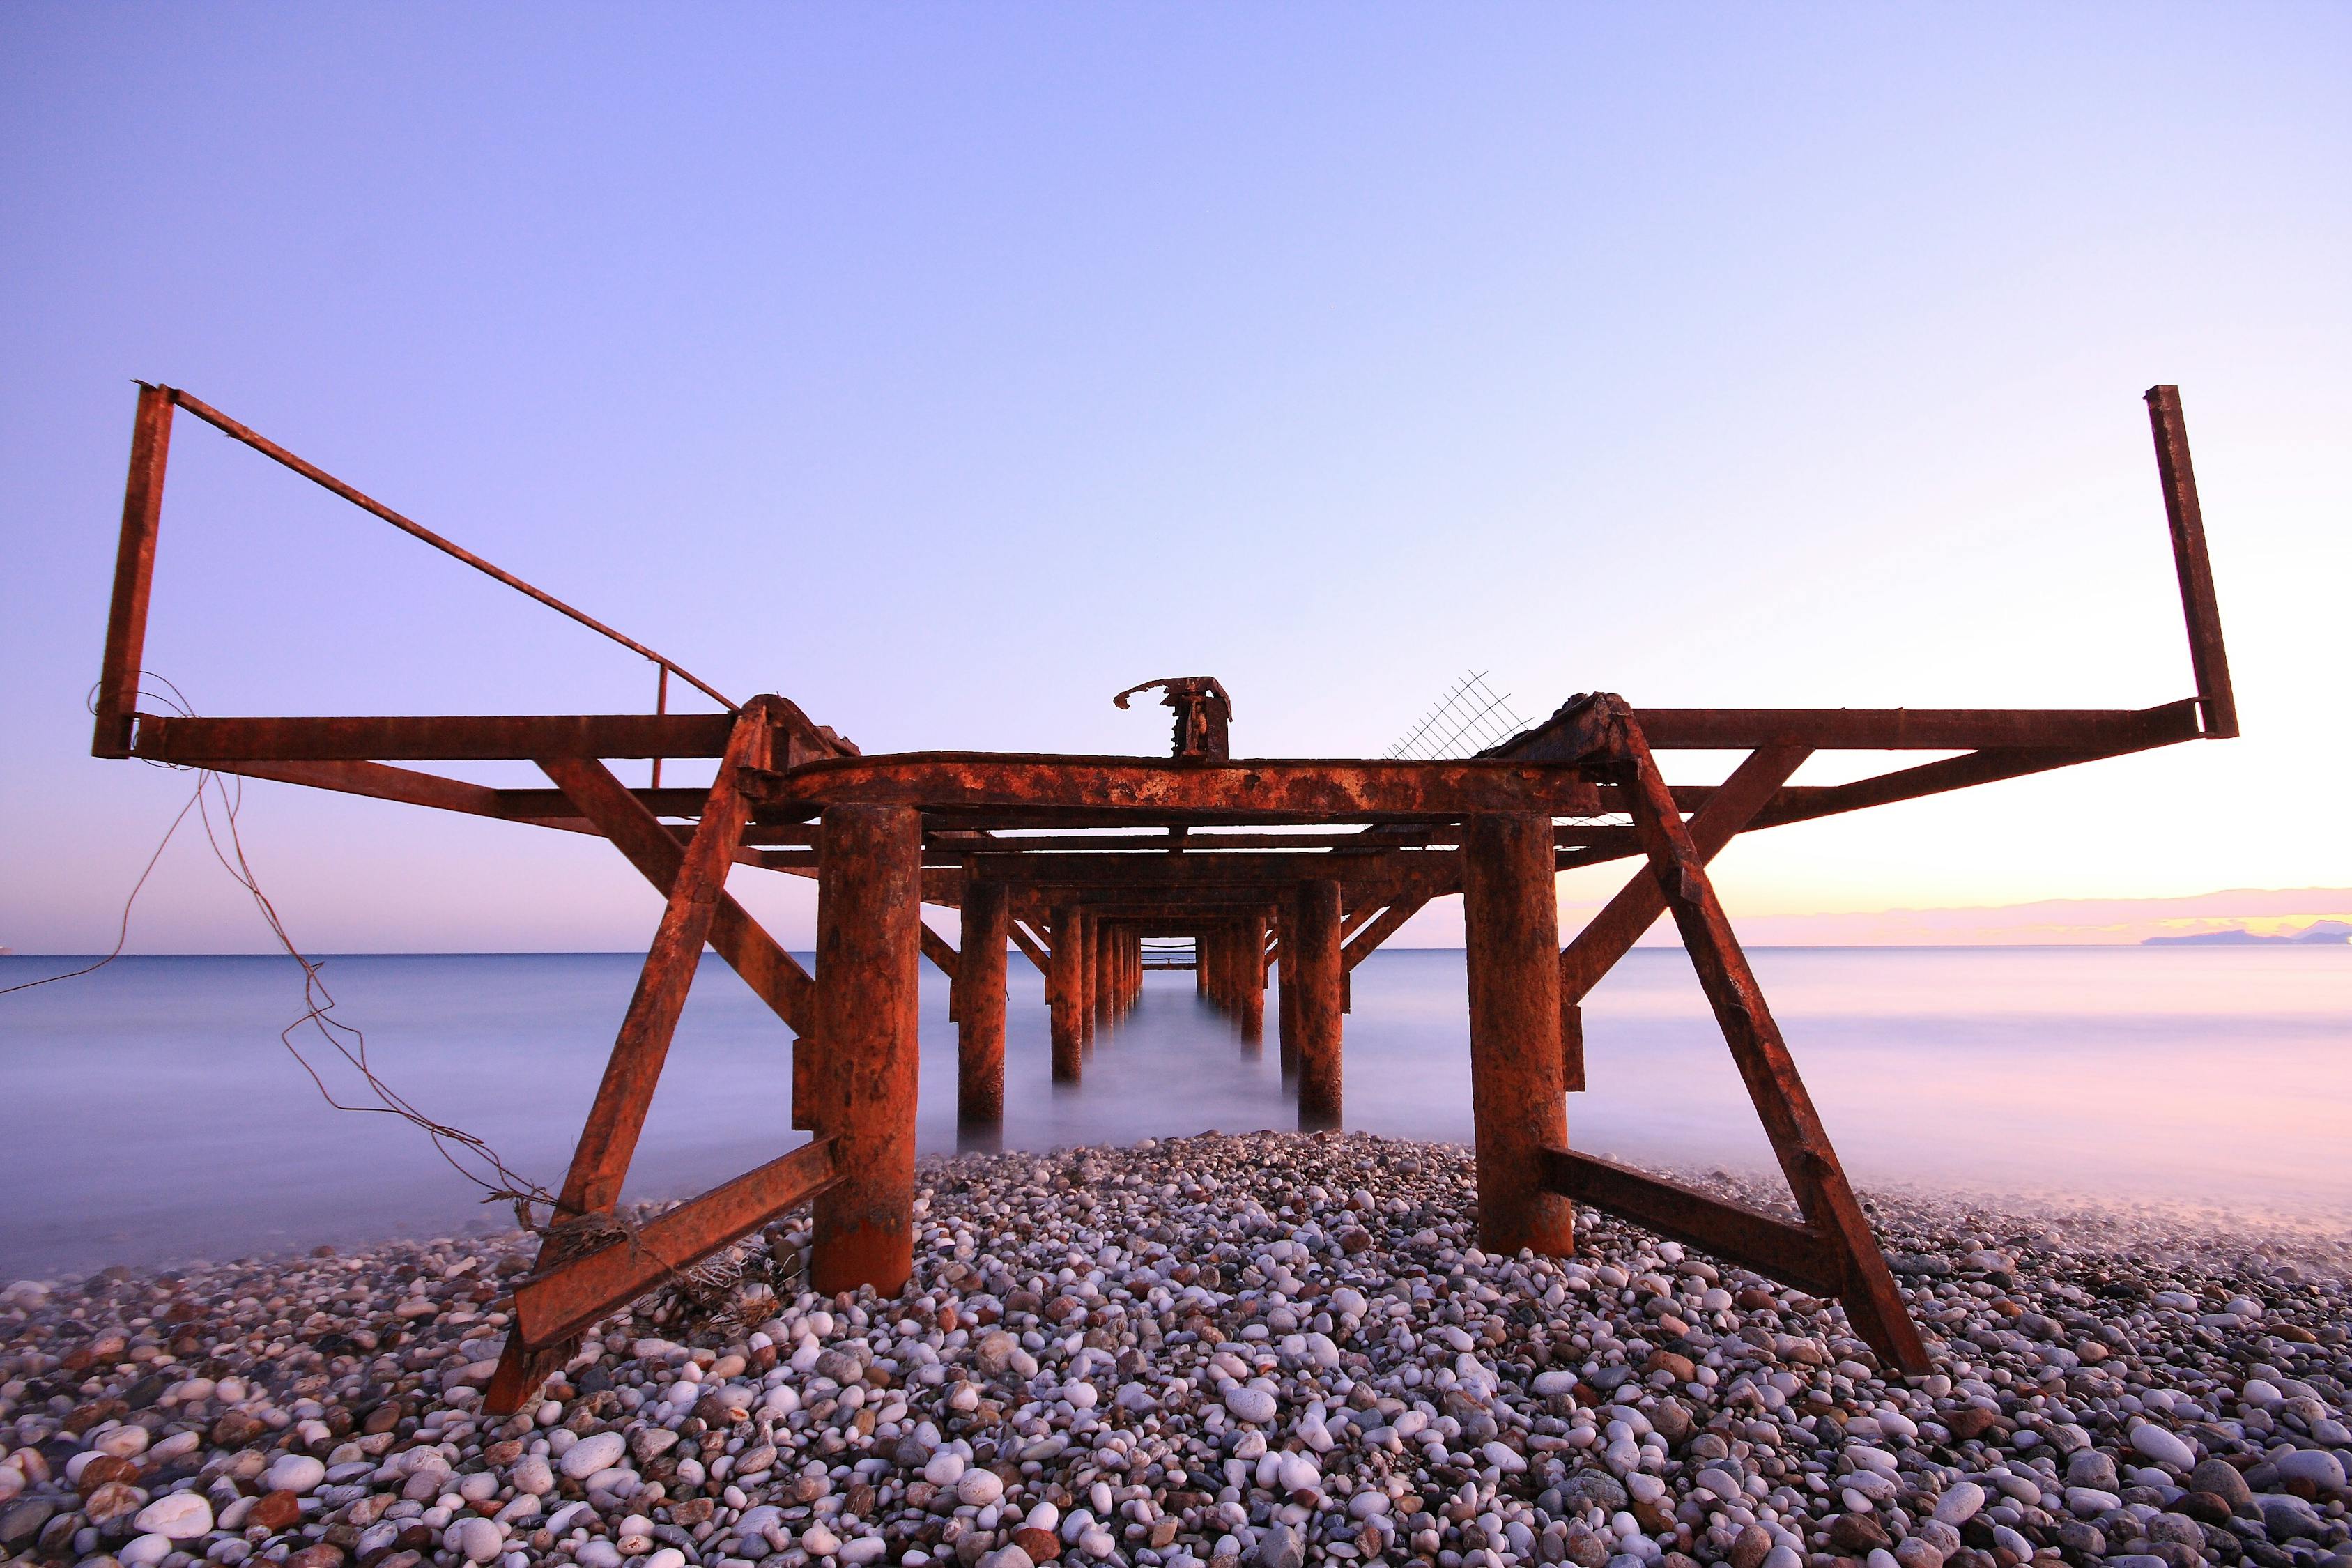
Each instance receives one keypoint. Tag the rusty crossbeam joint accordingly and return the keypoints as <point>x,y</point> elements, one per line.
<point>1793,1254</point>
<point>565,1297</point>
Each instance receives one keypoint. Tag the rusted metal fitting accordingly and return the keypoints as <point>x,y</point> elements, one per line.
<point>1202,713</point>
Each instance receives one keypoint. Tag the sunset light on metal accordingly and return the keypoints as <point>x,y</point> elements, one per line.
<point>1273,869</point>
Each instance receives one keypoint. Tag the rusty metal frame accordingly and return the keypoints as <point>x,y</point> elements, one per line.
<point>1267,864</point>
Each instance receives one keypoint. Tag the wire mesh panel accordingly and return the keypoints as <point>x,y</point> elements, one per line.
<point>1470,717</point>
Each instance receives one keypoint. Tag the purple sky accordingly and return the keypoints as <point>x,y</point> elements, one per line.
<point>948,369</point>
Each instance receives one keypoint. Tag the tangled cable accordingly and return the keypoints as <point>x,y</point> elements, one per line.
<point>224,793</point>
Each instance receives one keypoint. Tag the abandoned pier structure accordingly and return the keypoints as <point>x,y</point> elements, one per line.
<point>1281,870</point>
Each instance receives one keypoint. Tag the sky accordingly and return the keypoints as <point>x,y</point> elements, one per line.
<point>947,369</point>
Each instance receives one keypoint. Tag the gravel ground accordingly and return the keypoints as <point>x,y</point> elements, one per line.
<point>1272,1348</point>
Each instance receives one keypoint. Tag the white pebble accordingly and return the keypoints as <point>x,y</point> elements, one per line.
<point>181,1516</point>
<point>296,1473</point>
<point>1959,1503</point>
<point>474,1539</point>
<point>600,1451</point>
<point>1255,1405</point>
<point>2165,1448</point>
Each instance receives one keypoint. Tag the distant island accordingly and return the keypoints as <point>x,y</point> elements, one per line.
<point>2330,931</point>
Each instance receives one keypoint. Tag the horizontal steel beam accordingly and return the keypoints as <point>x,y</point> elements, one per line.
<point>1240,868</point>
<point>1887,729</point>
<point>1286,789</point>
<point>170,739</point>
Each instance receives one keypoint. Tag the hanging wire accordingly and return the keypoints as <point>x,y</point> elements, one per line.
<point>217,799</point>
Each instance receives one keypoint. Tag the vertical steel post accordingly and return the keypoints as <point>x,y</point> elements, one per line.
<point>1287,998</point>
<point>1067,1002</point>
<point>134,573</point>
<point>1511,927</point>
<point>1315,926</point>
<point>2207,655</point>
<point>1251,977</point>
<point>980,1031</point>
<point>1105,974</point>
<point>869,986</point>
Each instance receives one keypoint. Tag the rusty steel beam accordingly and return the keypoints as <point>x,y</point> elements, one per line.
<point>1954,772</point>
<point>565,1299</point>
<point>774,975</point>
<point>1391,919</point>
<point>608,1139</point>
<point>945,961</point>
<point>618,1114</point>
<point>1032,949</point>
<point>1355,920</point>
<point>867,1054</point>
<point>2207,654</point>
<point>379,780</point>
<point>1302,791</point>
<point>1611,935</point>
<point>1799,1141</point>
<point>334,486</point>
<point>1888,729</point>
<point>1156,841</point>
<point>170,739</point>
<point>1246,868</point>
<point>117,698</point>
<point>1735,1233</point>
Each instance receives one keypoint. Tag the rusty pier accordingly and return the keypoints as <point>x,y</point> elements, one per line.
<point>1281,872</point>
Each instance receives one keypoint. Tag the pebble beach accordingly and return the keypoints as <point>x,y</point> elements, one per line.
<point>1204,1352</point>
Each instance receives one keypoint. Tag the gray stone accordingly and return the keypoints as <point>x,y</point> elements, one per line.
<point>2320,1469</point>
<point>22,1521</point>
<point>2223,1480</point>
<point>2097,1470</point>
<point>1279,1546</point>
<point>1593,1488</point>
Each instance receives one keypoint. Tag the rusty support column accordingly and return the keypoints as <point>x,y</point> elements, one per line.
<point>1251,964</point>
<point>1089,943</point>
<point>1511,927</point>
<point>1315,927</point>
<point>1287,998</point>
<point>868,991</point>
<point>979,1039</point>
<point>1106,973</point>
<point>1065,1001</point>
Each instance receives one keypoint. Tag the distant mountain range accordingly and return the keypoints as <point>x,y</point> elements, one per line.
<point>2334,933</point>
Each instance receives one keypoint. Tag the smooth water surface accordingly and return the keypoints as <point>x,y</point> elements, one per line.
<point>148,1112</point>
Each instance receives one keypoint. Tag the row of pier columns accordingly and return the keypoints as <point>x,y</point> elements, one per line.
<point>866,1051</point>
<point>1093,976</point>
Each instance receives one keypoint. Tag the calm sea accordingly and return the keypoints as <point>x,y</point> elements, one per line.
<point>149,1113</point>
